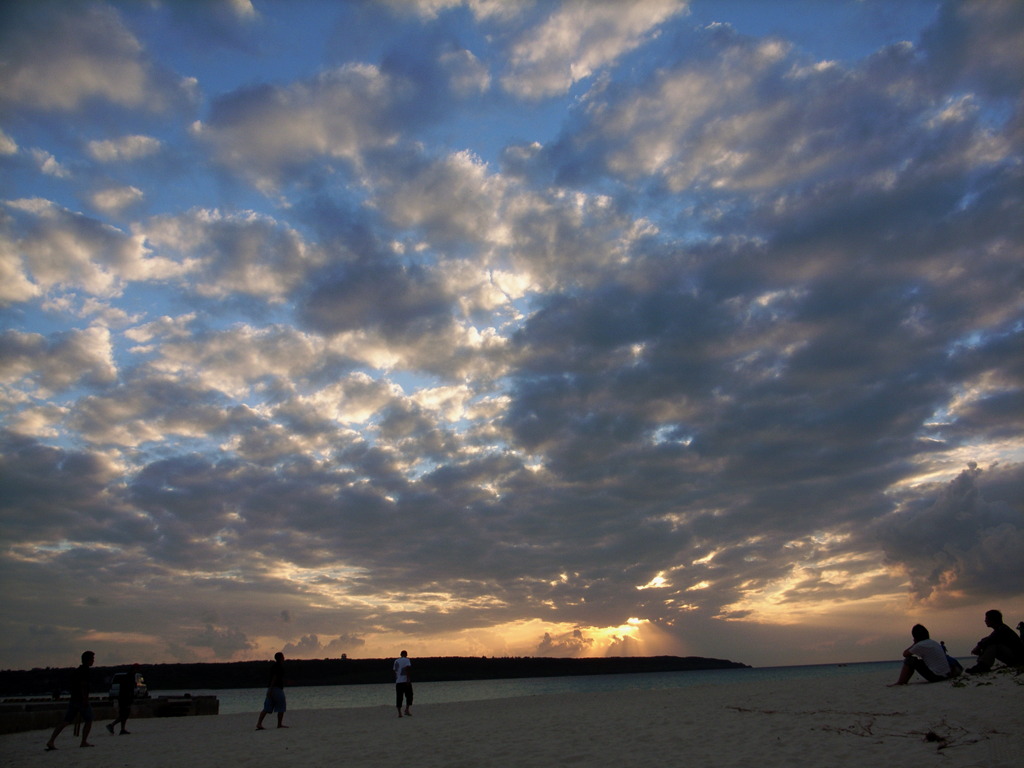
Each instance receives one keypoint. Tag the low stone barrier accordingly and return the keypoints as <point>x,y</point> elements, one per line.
<point>43,714</point>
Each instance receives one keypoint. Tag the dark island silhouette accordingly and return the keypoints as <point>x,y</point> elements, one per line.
<point>345,671</point>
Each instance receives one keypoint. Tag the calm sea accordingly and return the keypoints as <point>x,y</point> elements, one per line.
<point>240,700</point>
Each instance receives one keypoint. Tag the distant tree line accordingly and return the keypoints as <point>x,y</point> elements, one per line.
<point>345,671</point>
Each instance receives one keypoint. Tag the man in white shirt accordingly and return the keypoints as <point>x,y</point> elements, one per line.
<point>403,683</point>
<point>926,657</point>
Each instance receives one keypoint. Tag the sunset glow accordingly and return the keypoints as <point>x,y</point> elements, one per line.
<point>568,328</point>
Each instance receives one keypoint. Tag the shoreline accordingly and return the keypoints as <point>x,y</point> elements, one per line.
<point>852,720</point>
<point>234,701</point>
<point>345,671</point>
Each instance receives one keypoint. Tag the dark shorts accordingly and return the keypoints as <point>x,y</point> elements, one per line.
<point>918,665</point>
<point>275,702</point>
<point>403,690</point>
<point>75,709</point>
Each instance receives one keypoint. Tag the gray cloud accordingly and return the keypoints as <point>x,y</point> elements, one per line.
<point>223,642</point>
<point>577,39</point>
<point>57,249</point>
<point>964,538</point>
<point>391,297</point>
<point>234,254</point>
<point>59,362</point>
<point>707,366</point>
<point>64,55</point>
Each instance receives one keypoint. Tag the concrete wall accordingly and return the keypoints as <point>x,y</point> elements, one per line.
<point>42,714</point>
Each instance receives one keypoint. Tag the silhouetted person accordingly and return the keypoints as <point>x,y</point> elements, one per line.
<point>125,697</point>
<point>1020,629</point>
<point>955,667</point>
<point>926,657</point>
<point>78,702</point>
<point>1003,644</point>
<point>403,683</point>
<point>275,701</point>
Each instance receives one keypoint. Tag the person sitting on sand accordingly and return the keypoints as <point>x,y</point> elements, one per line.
<point>1003,644</point>
<point>926,657</point>
<point>955,667</point>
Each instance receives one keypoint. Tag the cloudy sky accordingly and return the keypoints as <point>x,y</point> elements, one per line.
<point>485,327</point>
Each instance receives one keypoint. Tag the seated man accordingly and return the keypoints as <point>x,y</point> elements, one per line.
<point>926,657</point>
<point>1003,644</point>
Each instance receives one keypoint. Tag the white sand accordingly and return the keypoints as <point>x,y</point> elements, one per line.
<point>852,721</point>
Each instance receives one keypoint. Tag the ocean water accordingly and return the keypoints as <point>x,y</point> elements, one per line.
<point>240,700</point>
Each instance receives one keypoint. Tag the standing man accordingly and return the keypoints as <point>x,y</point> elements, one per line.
<point>1003,644</point>
<point>125,697</point>
<point>275,701</point>
<point>78,702</point>
<point>403,683</point>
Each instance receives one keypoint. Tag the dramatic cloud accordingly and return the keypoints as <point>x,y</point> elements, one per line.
<point>960,539</point>
<point>487,328</point>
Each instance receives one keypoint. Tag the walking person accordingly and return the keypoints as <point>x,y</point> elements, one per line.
<point>125,697</point>
<point>403,683</point>
<point>78,703</point>
<point>275,700</point>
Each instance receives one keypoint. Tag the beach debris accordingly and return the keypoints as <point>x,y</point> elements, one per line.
<point>944,735</point>
<point>815,712</point>
<point>857,729</point>
<point>947,735</point>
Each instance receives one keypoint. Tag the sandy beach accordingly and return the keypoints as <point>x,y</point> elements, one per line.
<point>851,721</point>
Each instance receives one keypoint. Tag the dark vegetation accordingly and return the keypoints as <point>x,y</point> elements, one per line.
<point>254,674</point>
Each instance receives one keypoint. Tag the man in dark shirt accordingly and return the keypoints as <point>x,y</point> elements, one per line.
<point>275,701</point>
<point>78,702</point>
<point>1002,644</point>
<point>125,697</point>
